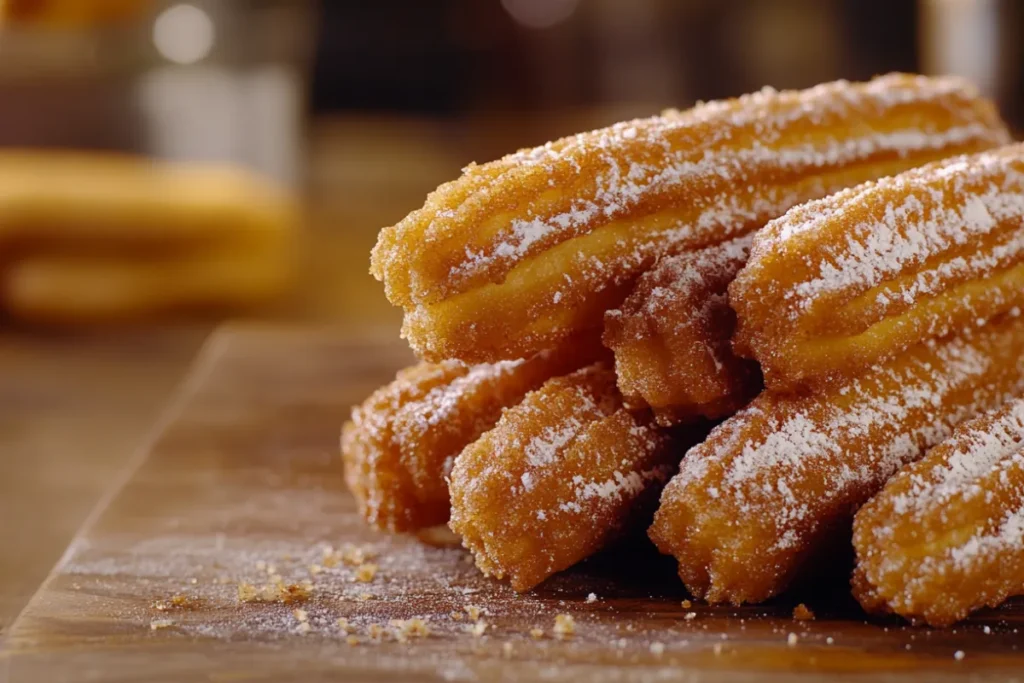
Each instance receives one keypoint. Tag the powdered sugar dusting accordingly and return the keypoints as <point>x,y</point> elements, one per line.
<point>705,157</point>
<point>618,487</point>
<point>928,222</point>
<point>978,448</point>
<point>441,403</point>
<point>560,476</point>
<point>850,439</point>
<point>1008,536</point>
<point>542,449</point>
<point>618,192</point>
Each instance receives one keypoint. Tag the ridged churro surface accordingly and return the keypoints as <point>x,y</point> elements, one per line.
<point>562,475</point>
<point>780,481</point>
<point>672,338</point>
<point>521,253</point>
<point>839,284</point>
<point>401,441</point>
<point>946,535</point>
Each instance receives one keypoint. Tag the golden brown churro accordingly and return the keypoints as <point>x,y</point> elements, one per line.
<point>563,474</point>
<point>946,535</point>
<point>671,338</point>
<point>401,441</point>
<point>781,479</point>
<point>839,284</point>
<point>521,253</point>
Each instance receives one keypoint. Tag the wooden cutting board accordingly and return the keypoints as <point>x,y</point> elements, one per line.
<point>242,480</point>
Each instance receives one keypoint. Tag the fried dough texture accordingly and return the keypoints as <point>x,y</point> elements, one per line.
<point>946,535</point>
<point>562,475</point>
<point>778,482</point>
<point>520,254</point>
<point>842,283</point>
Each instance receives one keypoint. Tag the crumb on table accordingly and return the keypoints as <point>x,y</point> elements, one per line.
<point>803,613</point>
<point>565,626</point>
<point>365,572</point>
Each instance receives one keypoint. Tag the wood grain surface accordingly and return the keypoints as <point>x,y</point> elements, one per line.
<point>72,409</point>
<point>241,480</point>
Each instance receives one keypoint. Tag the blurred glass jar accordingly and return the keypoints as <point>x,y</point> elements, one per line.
<point>202,80</point>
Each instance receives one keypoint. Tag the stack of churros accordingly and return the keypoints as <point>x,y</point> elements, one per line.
<point>837,273</point>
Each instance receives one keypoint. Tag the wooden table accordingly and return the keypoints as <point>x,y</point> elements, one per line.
<point>74,405</point>
<point>241,482</point>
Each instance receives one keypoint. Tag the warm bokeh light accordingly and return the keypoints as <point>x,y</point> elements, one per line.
<point>540,14</point>
<point>184,34</point>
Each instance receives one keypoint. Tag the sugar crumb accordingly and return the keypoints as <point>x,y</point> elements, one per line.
<point>365,572</point>
<point>803,613</point>
<point>687,604</point>
<point>792,639</point>
<point>474,612</point>
<point>407,629</point>
<point>592,598</point>
<point>690,616</point>
<point>657,649</point>
<point>348,554</point>
<point>158,624</point>
<point>174,602</point>
<point>959,655</point>
<point>278,591</point>
<point>536,633</point>
<point>565,626</point>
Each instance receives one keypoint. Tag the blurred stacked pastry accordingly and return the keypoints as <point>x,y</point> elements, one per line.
<point>879,318</point>
<point>90,238</point>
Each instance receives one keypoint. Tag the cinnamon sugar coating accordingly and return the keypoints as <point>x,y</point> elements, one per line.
<point>399,444</point>
<point>779,481</point>
<point>671,338</point>
<point>562,475</point>
<point>946,535</point>
<point>839,284</point>
<point>521,253</point>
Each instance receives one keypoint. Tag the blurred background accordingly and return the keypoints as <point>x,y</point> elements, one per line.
<point>295,130</point>
<point>355,109</point>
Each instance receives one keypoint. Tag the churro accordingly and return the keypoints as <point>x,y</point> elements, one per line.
<point>842,283</point>
<point>946,535</point>
<point>522,253</point>
<point>399,445</point>
<point>561,476</point>
<point>671,338</point>
<point>780,480</point>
